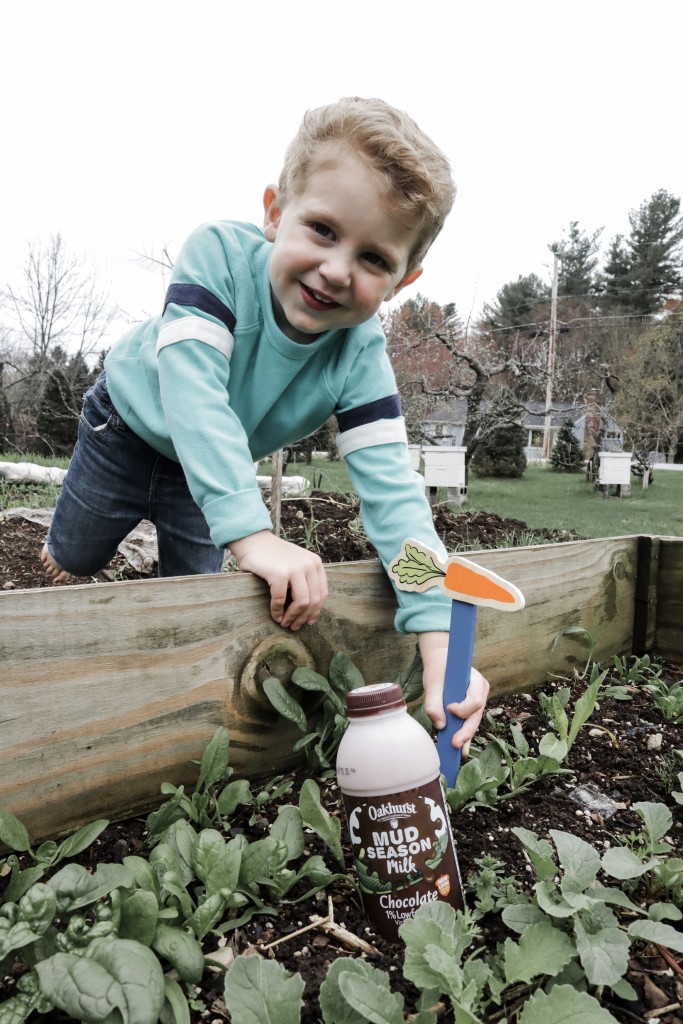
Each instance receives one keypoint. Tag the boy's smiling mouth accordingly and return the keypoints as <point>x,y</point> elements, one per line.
<point>316,300</point>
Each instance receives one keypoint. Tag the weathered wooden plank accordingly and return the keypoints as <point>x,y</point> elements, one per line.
<point>669,632</point>
<point>108,690</point>
<point>583,583</point>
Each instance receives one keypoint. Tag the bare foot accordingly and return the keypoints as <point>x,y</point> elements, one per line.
<point>54,571</point>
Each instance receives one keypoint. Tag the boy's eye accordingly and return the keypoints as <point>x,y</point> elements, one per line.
<point>322,230</point>
<point>375,259</point>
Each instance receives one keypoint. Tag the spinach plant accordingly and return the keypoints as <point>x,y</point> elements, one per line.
<point>558,743</point>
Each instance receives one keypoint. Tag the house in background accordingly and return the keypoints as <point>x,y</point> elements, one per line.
<point>446,425</point>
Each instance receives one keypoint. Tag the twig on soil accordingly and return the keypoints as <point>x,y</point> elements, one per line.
<point>671,960</point>
<point>662,1009</point>
<point>613,739</point>
<point>329,925</point>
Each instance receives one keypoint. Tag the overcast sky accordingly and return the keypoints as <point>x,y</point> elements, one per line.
<point>126,125</point>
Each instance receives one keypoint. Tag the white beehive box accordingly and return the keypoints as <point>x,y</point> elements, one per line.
<point>615,468</point>
<point>444,466</point>
<point>415,456</point>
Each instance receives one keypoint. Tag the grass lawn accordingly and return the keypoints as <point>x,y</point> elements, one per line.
<point>541,498</point>
<point>562,501</point>
<point>565,501</point>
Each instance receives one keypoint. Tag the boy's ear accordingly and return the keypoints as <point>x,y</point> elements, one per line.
<point>272,212</point>
<point>404,282</point>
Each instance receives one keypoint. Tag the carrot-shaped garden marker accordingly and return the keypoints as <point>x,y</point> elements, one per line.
<point>418,568</point>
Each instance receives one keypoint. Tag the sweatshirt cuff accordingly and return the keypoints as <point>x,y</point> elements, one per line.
<point>236,515</point>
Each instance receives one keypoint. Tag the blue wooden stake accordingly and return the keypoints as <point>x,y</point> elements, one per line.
<point>457,679</point>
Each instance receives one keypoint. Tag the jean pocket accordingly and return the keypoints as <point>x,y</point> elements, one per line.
<point>98,416</point>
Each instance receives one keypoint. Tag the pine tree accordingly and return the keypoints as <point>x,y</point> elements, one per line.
<point>57,420</point>
<point>500,451</point>
<point>643,269</point>
<point>578,262</point>
<point>616,281</point>
<point>567,454</point>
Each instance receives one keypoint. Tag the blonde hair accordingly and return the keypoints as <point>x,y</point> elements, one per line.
<point>415,174</point>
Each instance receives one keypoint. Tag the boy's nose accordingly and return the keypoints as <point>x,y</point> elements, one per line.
<point>336,269</point>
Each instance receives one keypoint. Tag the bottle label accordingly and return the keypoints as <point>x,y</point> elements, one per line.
<point>404,854</point>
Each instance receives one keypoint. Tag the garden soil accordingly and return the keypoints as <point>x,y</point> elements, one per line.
<point>626,753</point>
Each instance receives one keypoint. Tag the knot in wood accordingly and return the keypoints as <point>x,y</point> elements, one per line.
<point>276,656</point>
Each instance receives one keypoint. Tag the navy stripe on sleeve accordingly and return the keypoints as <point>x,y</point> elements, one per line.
<point>388,408</point>
<point>201,298</point>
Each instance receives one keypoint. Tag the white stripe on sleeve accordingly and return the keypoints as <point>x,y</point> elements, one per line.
<point>367,435</point>
<point>194,328</point>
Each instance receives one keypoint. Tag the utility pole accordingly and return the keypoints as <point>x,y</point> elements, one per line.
<point>551,362</point>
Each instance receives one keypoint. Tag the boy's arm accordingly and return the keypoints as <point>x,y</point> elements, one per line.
<point>433,650</point>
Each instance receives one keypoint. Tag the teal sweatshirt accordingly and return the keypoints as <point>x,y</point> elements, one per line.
<point>212,382</point>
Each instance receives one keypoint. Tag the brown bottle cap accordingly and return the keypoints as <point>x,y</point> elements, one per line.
<point>372,700</point>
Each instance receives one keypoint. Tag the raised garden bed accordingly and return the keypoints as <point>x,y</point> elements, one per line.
<point>111,690</point>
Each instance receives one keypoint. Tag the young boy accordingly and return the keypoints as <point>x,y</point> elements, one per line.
<point>263,336</point>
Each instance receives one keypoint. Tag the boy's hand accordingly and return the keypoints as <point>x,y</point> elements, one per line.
<point>286,568</point>
<point>433,649</point>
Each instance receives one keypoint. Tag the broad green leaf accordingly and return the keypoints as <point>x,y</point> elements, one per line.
<point>518,916</point>
<point>333,1005</point>
<point>307,679</point>
<point>288,828</point>
<point>139,916</point>
<point>81,839</point>
<point>344,675</point>
<point>539,851</point>
<point>551,746</point>
<point>551,902</point>
<point>261,992</point>
<point>660,911</point>
<point>138,973</point>
<point>181,950</point>
<point>215,760</point>
<point>603,955</point>
<point>208,859</point>
<point>175,1009</point>
<point>143,875</point>
<point>21,881</point>
<point>542,949</point>
<point>232,795</point>
<point>17,1009</point>
<point>82,987</point>
<point>623,864</point>
<point>262,860</point>
<point>435,926</point>
<point>370,998</point>
<point>75,887</point>
<point>581,862</point>
<point>16,937</point>
<point>657,931</point>
<point>210,912</point>
<point>284,703</point>
<point>318,818</point>
<point>564,1005</point>
<point>657,819</point>
<point>12,833</point>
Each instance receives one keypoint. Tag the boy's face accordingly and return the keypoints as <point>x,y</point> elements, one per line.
<point>339,248</point>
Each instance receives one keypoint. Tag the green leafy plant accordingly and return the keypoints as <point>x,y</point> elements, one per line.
<point>668,698</point>
<point>558,743</point>
<point>324,727</point>
<point>214,798</point>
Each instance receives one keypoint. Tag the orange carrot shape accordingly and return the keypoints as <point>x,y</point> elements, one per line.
<point>417,568</point>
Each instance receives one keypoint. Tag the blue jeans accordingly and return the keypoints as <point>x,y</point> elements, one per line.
<point>115,480</point>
